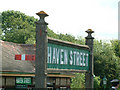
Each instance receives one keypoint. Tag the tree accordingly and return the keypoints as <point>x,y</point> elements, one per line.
<point>52,34</point>
<point>116,47</point>
<point>105,61</point>
<point>80,40</point>
<point>20,28</point>
<point>78,81</point>
<point>97,81</point>
<point>17,26</point>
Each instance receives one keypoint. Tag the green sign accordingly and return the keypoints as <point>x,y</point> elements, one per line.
<point>63,57</point>
<point>23,80</point>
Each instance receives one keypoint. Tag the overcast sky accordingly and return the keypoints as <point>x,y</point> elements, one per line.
<point>72,16</point>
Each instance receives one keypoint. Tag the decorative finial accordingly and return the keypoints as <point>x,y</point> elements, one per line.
<point>42,13</point>
<point>89,31</point>
<point>42,16</point>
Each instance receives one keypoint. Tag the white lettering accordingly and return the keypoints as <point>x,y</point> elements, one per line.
<point>86,59</point>
<point>77,59</point>
<point>19,80</point>
<point>57,55</point>
<point>83,59</point>
<point>74,53</point>
<point>54,59</point>
<point>65,57</point>
<point>49,55</point>
<point>61,56</point>
<point>26,80</point>
<point>71,59</point>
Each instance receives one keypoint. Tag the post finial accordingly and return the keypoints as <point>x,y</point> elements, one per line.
<point>42,16</point>
<point>89,31</point>
<point>42,13</point>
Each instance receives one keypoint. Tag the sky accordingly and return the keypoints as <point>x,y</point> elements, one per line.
<point>72,16</point>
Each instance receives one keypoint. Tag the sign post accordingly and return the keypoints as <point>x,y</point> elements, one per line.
<point>41,52</point>
<point>89,82</point>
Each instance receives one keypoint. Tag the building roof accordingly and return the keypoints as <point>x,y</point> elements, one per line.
<point>8,51</point>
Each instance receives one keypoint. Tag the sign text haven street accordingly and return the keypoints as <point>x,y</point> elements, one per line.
<point>63,57</point>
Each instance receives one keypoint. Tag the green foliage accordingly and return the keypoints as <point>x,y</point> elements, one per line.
<point>80,40</point>
<point>20,28</point>
<point>78,81</point>
<point>15,20</point>
<point>52,34</point>
<point>106,62</point>
<point>64,37</point>
<point>67,37</point>
<point>116,47</point>
<point>19,36</point>
<point>17,26</point>
<point>97,81</point>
